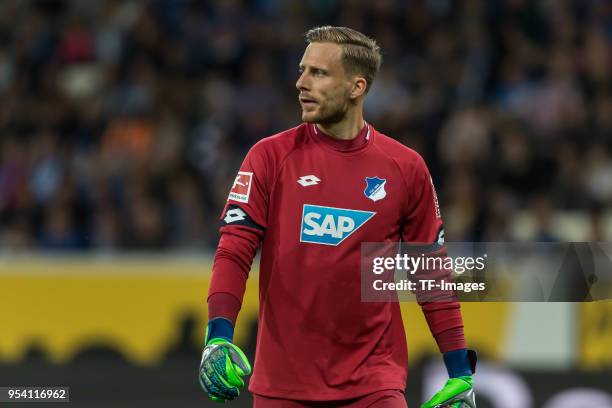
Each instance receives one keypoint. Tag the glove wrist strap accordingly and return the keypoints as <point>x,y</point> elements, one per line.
<point>219,328</point>
<point>460,363</point>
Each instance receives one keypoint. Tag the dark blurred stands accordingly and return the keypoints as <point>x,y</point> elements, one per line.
<point>122,123</point>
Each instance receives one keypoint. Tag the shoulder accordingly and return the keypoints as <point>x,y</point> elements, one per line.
<point>406,158</point>
<point>280,144</point>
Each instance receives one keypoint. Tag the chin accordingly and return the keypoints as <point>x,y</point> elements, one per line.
<point>309,117</point>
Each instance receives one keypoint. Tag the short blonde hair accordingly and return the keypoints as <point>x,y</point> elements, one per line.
<point>360,53</point>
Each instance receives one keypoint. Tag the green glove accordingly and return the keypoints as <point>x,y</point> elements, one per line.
<point>221,370</point>
<point>457,393</point>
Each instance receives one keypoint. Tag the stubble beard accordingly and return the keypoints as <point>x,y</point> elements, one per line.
<point>326,115</point>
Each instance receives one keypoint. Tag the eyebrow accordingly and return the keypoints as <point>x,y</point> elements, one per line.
<point>312,67</point>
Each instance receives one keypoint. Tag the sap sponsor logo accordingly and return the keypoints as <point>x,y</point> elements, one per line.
<point>330,225</point>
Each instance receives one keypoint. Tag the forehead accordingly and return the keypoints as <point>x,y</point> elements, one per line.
<point>322,55</point>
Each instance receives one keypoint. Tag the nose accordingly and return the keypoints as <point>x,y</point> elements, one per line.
<point>300,84</point>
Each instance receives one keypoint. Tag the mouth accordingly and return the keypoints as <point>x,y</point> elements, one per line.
<point>307,102</point>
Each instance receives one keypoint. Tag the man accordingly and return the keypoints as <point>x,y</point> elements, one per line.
<point>310,196</point>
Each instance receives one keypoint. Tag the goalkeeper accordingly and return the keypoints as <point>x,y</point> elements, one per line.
<point>309,197</point>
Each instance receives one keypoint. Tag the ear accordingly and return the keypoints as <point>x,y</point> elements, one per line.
<point>359,87</point>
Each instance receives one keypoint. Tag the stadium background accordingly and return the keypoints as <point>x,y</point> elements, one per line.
<point>122,124</point>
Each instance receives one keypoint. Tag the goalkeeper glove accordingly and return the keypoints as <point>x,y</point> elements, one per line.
<point>223,364</point>
<point>458,392</point>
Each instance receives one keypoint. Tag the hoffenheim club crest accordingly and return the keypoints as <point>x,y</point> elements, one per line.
<point>375,188</point>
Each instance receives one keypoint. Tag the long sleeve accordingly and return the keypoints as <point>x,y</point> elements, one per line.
<point>231,268</point>
<point>243,224</point>
<point>423,225</point>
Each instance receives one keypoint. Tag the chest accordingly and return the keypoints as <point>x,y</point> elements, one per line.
<point>331,196</point>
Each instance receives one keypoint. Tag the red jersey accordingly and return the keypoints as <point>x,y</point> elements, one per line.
<point>310,201</point>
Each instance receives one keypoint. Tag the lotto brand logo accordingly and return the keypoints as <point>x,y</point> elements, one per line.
<point>242,187</point>
<point>330,225</point>
<point>233,215</point>
<point>440,239</point>
<point>310,180</point>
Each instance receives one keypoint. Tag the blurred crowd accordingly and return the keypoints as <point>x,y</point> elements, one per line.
<point>123,123</point>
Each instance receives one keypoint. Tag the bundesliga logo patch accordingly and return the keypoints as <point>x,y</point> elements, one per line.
<point>242,187</point>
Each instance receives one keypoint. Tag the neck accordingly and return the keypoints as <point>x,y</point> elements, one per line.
<point>347,128</point>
